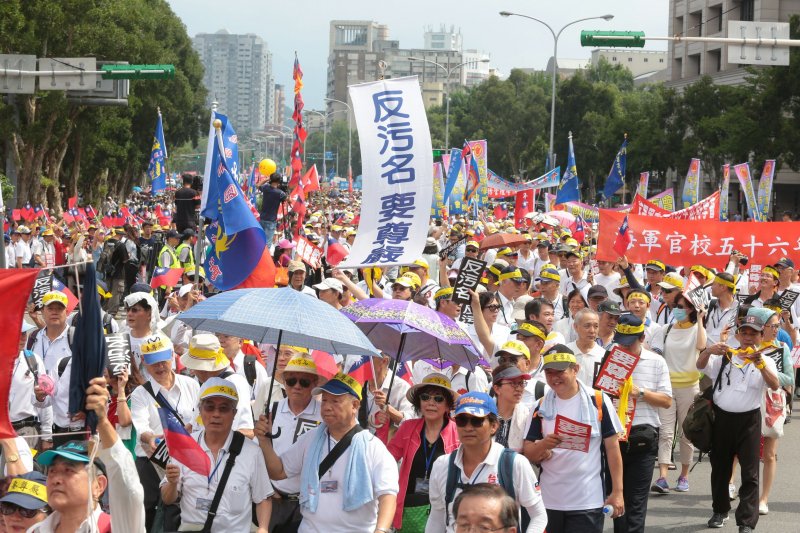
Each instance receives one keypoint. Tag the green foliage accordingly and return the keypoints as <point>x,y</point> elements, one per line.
<point>336,142</point>
<point>7,188</point>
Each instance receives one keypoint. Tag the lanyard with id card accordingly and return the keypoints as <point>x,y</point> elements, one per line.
<point>422,484</point>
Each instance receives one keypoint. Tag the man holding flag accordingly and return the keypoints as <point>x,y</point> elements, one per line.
<point>240,466</point>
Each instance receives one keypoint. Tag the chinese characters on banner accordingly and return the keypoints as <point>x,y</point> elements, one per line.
<point>742,172</point>
<point>706,209</point>
<point>437,206</point>
<point>684,242</point>
<point>630,411</point>
<point>469,276</point>
<point>691,187</point>
<point>574,435</point>
<point>664,200</point>
<point>397,163</point>
<point>308,252</point>
<point>617,367</point>
<point>480,153</point>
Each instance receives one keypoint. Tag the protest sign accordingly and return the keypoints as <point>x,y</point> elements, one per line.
<point>118,353</point>
<point>617,368</point>
<point>451,248</point>
<point>469,276</point>
<point>788,297</point>
<point>684,242</point>
<point>41,286</point>
<point>776,354</point>
<point>396,153</point>
<point>308,252</point>
<point>574,435</point>
<point>706,209</point>
<point>796,356</point>
<point>466,315</point>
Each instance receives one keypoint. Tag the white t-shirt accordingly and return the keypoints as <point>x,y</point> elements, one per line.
<point>248,483</point>
<point>566,470</point>
<point>330,517</point>
<point>291,428</point>
<point>742,388</point>
<point>587,361</point>
<point>610,282</point>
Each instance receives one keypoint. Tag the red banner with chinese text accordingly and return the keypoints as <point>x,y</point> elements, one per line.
<point>685,242</point>
<point>705,209</point>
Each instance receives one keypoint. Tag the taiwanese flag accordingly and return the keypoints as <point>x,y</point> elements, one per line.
<point>326,366</point>
<point>404,372</point>
<point>336,252</point>
<point>580,229</point>
<point>623,239</point>
<point>72,201</point>
<point>127,214</point>
<point>182,447</point>
<point>500,212</point>
<point>16,214</point>
<point>163,218</point>
<point>523,206</point>
<point>28,212</point>
<point>39,211</point>
<point>168,277</point>
<point>15,286</point>
<point>68,218</point>
<point>311,180</point>
<point>91,214</point>
<point>361,370</point>
<point>72,300</point>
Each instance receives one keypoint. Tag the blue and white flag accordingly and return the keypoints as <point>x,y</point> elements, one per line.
<point>569,188</point>
<point>453,170</point>
<point>396,154</point>
<point>230,144</point>
<point>616,176</point>
<point>157,168</point>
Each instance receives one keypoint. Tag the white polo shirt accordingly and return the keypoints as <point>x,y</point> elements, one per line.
<point>22,249</point>
<point>587,361</point>
<point>525,484</point>
<point>52,351</point>
<point>506,316</point>
<point>183,397</point>
<point>742,388</point>
<point>248,483</point>
<point>330,517</point>
<point>292,427</point>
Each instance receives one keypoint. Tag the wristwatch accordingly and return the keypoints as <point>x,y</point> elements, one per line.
<point>642,390</point>
<point>12,458</point>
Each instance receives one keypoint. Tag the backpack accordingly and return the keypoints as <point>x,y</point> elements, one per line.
<point>698,426</point>
<point>104,264</point>
<point>35,334</point>
<point>250,369</point>
<point>505,478</point>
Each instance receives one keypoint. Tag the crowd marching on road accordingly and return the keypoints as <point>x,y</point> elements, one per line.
<point>579,408</point>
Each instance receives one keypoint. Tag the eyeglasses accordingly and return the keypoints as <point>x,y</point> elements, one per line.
<point>521,384</point>
<point>9,509</point>
<point>508,359</point>
<point>305,383</point>
<point>469,528</point>
<point>424,397</point>
<point>474,421</point>
<point>493,307</point>
<point>223,408</point>
<point>773,326</point>
<point>475,250</point>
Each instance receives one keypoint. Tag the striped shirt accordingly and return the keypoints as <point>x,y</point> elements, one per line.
<point>650,373</point>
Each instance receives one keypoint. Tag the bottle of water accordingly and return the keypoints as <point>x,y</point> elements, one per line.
<point>608,509</point>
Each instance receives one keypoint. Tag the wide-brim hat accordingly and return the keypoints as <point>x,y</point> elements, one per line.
<point>434,379</point>
<point>205,354</point>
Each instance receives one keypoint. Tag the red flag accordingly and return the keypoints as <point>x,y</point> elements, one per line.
<point>362,370</point>
<point>326,365</point>
<point>336,252</point>
<point>524,205</point>
<point>500,212</point>
<point>263,274</point>
<point>182,447</point>
<point>15,286</point>
<point>72,201</point>
<point>623,239</point>
<point>311,180</point>
<point>248,348</point>
<point>580,231</point>
<point>68,218</point>
<point>16,214</point>
<point>168,277</point>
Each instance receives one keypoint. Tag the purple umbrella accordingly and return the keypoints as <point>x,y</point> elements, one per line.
<point>410,332</point>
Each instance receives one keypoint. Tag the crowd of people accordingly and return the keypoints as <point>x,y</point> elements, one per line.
<point>441,448</point>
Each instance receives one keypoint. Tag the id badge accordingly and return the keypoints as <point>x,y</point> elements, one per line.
<point>741,384</point>
<point>329,486</point>
<point>422,485</point>
<point>203,504</point>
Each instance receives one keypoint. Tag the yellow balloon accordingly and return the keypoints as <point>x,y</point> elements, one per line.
<point>267,167</point>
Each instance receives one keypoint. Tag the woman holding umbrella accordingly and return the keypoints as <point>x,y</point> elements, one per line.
<point>418,443</point>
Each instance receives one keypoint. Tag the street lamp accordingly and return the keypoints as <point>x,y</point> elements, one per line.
<point>283,141</point>
<point>551,155</point>
<point>349,136</point>
<point>448,71</point>
<point>324,137</point>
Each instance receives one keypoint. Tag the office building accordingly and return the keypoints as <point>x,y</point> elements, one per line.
<point>238,75</point>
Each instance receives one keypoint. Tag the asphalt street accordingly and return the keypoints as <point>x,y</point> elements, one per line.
<point>689,511</point>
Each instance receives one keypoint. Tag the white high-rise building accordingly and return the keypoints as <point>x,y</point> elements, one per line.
<point>238,76</point>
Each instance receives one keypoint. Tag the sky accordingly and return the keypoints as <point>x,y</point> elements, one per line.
<point>302,26</point>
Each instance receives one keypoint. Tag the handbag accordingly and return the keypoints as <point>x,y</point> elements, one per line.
<point>415,519</point>
<point>281,276</point>
<point>698,426</point>
<point>773,414</point>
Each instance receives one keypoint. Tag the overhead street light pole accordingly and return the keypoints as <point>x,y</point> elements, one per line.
<point>556,35</point>
<point>448,72</point>
<point>349,135</point>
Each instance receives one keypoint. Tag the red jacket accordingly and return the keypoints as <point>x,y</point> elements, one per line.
<point>404,446</point>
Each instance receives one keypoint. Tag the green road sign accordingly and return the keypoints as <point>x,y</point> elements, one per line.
<point>618,39</point>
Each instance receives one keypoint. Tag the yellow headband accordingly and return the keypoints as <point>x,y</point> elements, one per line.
<point>31,488</point>
<point>204,354</point>
<point>630,330</point>
<point>548,275</point>
<point>220,390</point>
<point>560,358</point>
<point>771,271</point>
<point>494,270</point>
<point>639,295</point>
<point>514,274</point>
<point>443,293</point>
<point>704,271</point>
<point>725,283</point>
<point>530,328</point>
<point>657,263</point>
<point>349,381</point>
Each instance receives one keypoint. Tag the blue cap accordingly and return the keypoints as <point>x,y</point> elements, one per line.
<point>630,328</point>
<point>75,451</point>
<point>339,385</point>
<point>28,491</point>
<point>476,404</point>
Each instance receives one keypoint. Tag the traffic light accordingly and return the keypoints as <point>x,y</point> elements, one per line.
<point>138,72</point>
<point>614,39</point>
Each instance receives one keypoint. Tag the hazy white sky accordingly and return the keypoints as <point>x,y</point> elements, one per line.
<point>302,26</point>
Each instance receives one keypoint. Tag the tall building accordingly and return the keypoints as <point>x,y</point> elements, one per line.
<point>279,103</point>
<point>689,61</point>
<point>443,39</point>
<point>238,75</point>
<point>639,62</point>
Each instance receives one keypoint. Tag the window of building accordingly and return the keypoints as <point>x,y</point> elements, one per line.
<point>613,58</point>
<point>747,10</point>
<point>714,20</point>
<point>645,60</point>
<point>661,60</point>
<point>630,60</point>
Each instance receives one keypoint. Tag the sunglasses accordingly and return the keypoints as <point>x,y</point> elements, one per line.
<point>472,250</point>
<point>305,383</point>
<point>474,421</point>
<point>493,307</point>
<point>9,509</point>
<point>424,397</point>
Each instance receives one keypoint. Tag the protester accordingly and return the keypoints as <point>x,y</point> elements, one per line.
<point>26,418</point>
<point>417,444</point>
<point>479,460</point>
<point>508,386</point>
<point>53,341</point>
<point>244,474</point>
<point>356,492</point>
<point>481,507</point>
<point>587,353</point>
<point>575,302</point>
<point>384,408</point>
<point>249,367</point>
<point>25,503</point>
<point>297,278</point>
<point>738,394</point>
<point>271,199</point>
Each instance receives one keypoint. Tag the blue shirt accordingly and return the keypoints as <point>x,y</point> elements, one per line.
<point>270,202</point>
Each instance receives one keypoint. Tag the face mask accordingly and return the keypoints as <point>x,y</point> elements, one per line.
<point>679,314</point>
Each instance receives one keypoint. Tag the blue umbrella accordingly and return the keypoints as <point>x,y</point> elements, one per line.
<point>279,316</point>
<point>137,189</point>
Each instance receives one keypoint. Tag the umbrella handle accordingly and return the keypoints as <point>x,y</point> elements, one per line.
<point>274,436</point>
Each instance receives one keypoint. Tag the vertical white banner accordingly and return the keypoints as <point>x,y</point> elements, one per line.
<point>397,165</point>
